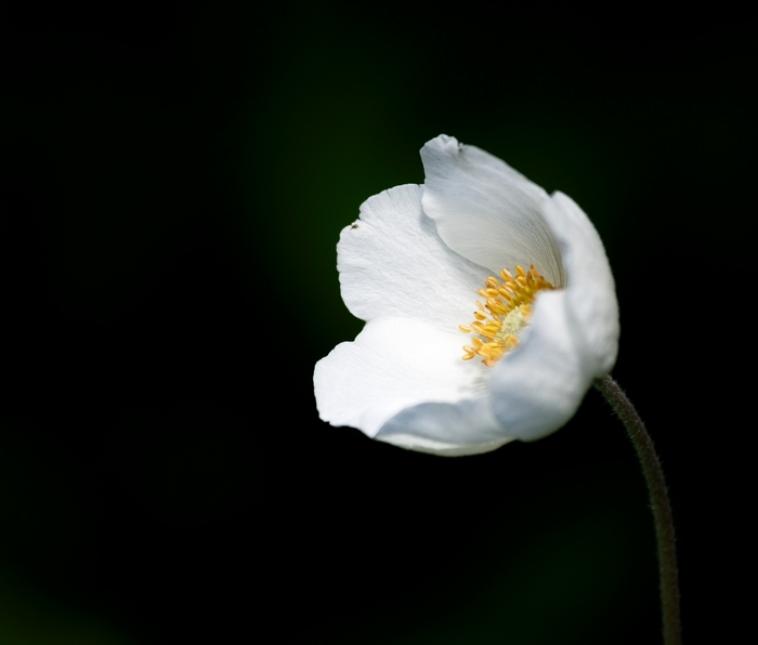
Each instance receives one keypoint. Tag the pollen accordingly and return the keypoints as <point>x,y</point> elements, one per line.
<point>505,309</point>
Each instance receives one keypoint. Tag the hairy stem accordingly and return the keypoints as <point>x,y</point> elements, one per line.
<point>659,501</point>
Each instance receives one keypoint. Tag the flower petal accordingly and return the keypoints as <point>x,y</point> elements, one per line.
<point>485,210</point>
<point>468,427</point>
<point>393,364</point>
<point>592,304</point>
<point>392,262</point>
<point>537,387</point>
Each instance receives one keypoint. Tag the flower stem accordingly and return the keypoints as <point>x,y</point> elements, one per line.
<point>659,501</point>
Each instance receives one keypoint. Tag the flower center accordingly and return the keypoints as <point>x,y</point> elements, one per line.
<point>508,306</point>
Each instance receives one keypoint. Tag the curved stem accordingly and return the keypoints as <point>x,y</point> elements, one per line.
<point>659,501</point>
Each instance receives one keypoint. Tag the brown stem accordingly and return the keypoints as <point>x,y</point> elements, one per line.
<point>659,501</point>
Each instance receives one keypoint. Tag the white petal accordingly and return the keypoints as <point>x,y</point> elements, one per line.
<point>392,262</point>
<point>485,210</point>
<point>538,386</point>
<point>393,364</point>
<point>592,304</point>
<point>468,427</point>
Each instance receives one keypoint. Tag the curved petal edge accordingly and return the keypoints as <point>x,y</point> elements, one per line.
<point>590,288</point>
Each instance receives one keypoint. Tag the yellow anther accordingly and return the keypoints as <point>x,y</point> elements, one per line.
<point>497,324</point>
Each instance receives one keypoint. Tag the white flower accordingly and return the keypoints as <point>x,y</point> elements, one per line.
<point>545,326</point>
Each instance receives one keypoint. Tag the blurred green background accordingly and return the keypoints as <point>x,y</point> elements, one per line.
<point>174,182</point>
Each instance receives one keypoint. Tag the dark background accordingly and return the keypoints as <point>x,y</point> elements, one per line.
<point>173,185</point>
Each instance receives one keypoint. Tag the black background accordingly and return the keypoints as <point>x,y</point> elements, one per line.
<point>163,472</point>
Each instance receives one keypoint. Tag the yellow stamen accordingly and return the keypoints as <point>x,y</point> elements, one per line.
<point>497,324</point>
